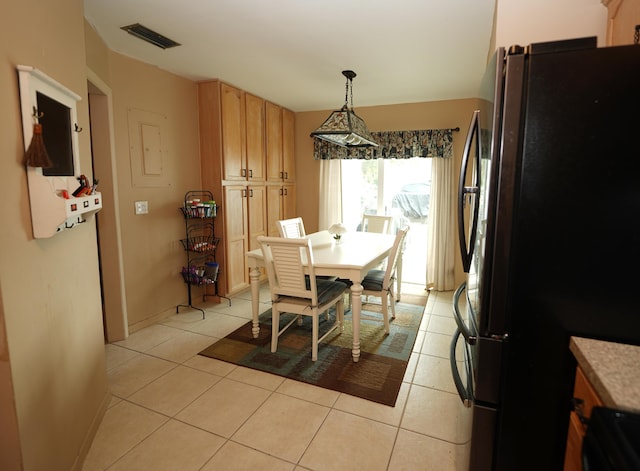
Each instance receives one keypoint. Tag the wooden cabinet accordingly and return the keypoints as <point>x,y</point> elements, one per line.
<point>622,21</point>
<point>245,220</point>
<point>289,209</point>
<point>255,150</point>
<point>281,189</point>
<point>280,129</point>
<point>236,236</point>
<point>281,204</point>
<point>288,146</point>
<point>234,145</point>
<point>585,399</point>
<point>242,123</point>
<point>257,203</point>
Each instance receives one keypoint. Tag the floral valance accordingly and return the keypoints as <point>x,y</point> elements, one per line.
<point>392,145</point>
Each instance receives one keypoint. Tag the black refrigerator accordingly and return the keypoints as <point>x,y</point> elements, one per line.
<point>549,229</point>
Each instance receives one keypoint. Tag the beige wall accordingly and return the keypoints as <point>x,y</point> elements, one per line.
<point>151,248</point>
<point>153,254</point>
<point>50,287</point>
<point>529,21</point>
<point>52,365</point>
<point>434,115</point>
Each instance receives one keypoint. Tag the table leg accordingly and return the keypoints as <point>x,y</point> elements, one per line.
<point>356,307</point>
<point>399,276</point>
<point>254,276</point>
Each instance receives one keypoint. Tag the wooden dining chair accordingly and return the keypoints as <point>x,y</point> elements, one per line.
<point>292,292</point>
<point>291,228</point>
<point>374,223</point>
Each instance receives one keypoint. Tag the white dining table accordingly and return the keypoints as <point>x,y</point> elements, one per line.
<point>350,258</point>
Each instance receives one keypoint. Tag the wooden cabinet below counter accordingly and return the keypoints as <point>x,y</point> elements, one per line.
<point>585,399</point>
<point>608,375</point>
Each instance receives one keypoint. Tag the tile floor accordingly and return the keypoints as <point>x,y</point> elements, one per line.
<point>172,409</point>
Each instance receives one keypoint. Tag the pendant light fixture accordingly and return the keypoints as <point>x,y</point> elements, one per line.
<point>344,127</point>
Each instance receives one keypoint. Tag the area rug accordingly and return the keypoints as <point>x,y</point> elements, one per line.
<point>376,377</point>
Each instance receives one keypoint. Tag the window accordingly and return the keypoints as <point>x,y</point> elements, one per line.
<point>397,187</point>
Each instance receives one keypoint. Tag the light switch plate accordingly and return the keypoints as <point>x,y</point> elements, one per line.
<point>142,207</point>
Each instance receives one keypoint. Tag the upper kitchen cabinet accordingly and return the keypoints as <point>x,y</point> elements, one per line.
<point>254,127</point>
<point>242,120</point>
<point>280,129</point>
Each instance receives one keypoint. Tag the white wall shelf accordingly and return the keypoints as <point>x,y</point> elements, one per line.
<point>51,211</point>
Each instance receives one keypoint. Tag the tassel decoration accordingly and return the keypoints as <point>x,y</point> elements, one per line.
<point>36,155</point>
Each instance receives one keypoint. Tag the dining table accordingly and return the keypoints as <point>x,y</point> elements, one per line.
<point>351,257</point>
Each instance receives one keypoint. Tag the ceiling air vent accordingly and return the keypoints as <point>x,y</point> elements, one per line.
<point>150,36</point>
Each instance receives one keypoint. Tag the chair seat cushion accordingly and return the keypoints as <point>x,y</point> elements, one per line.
<point>328,290</point>
<point>374,280</point>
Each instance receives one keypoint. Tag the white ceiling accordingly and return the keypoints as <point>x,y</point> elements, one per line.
<point>292,52</point>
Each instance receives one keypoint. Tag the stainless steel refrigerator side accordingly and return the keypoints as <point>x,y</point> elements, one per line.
<point>496,318</point>
<point>484,414</point>
<point>492,349</point>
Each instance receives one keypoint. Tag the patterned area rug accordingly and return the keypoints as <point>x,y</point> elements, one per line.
<point>377,376</point>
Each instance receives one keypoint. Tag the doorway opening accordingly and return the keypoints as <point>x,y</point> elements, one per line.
<point>114,310</point>
<point>392,187</point>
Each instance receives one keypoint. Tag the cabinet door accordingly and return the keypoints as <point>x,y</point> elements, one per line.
<point>236,237</point>
<point>257,214</point>
<point>274,209</point>
<point>232,133</point>
<point>273,117</point>
<point>288,146</point>
<point>289,209</point>
<point>255,148</point>
<point>624,15</point>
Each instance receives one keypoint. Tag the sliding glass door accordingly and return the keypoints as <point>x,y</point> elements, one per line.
<point>397,187</point>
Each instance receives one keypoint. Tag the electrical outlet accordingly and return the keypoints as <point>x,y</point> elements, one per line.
<point>142,207</point>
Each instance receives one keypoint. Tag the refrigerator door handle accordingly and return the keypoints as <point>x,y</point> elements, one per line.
<point>468,331</point>
<point>464,391</point>
<point>471,192</point>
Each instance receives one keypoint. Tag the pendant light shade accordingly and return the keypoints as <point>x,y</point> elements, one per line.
<point>344,127</point>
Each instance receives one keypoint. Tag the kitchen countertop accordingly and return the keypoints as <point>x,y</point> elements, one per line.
<point>613,369</point>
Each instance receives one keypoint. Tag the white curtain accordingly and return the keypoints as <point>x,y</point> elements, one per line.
<point>330,197</point>
<point>442,228</point>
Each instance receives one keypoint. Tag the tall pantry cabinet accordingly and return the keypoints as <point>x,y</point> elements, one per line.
<point>281,171</point>
<point>236,133</point>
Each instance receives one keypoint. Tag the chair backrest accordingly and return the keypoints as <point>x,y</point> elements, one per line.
<point>291,228</point>
<point>392,261</point>
<point>285,261</point>
<point>379,224</point>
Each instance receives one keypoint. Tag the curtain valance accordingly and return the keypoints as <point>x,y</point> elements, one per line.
<point>392,145</point>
